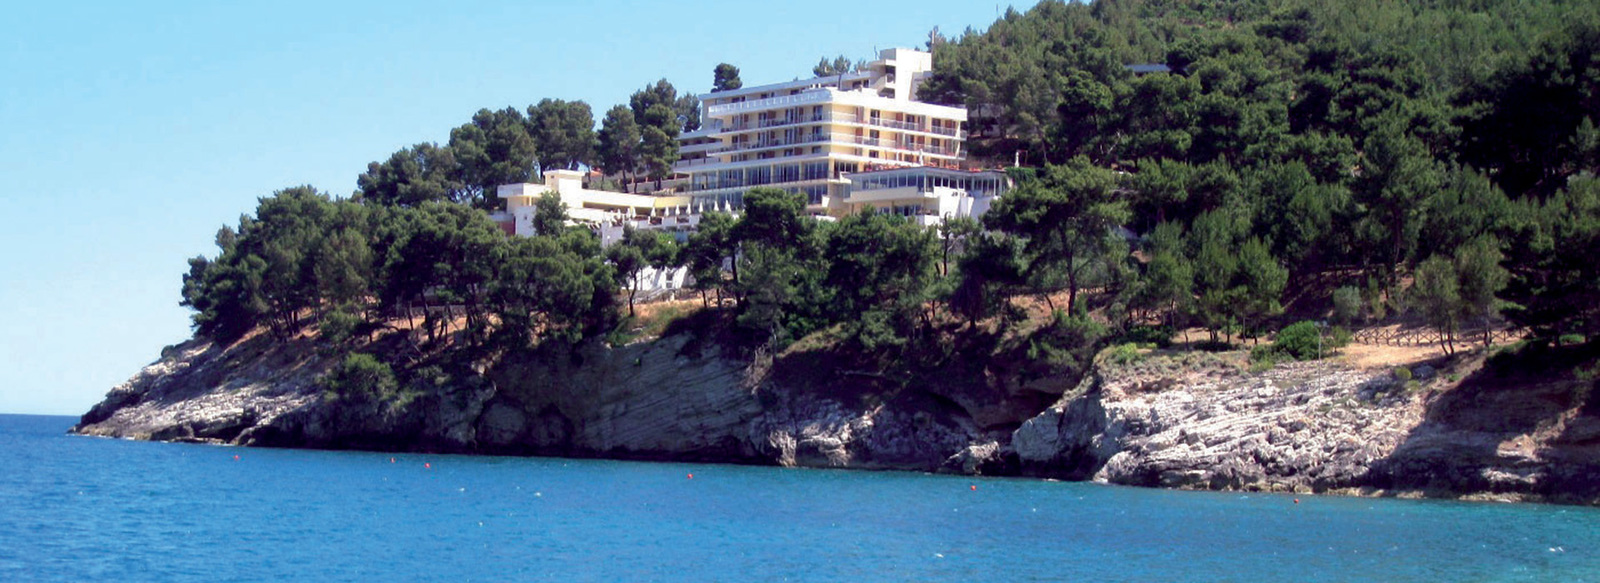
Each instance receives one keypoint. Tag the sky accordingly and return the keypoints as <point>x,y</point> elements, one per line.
<point>131,131</point>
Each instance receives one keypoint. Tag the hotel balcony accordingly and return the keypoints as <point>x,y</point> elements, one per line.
<point>903,193</point>
<point>839,139</point>
<point>843,118</point>
<point>808,97</point>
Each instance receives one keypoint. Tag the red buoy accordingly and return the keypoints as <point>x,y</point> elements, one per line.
<point>236,457</point>
<point>974,487</point>
<point>427,465</point>
<point>1296,500</point>
<point>691,476</point>
<point>391,460</point>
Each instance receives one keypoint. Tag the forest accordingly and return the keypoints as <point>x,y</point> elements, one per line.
<point>1360,163</point>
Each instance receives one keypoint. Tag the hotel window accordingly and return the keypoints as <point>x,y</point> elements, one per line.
<point>787,173</point>
<point>815,171</point>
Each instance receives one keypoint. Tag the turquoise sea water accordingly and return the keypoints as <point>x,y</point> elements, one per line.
<point>87,509</point>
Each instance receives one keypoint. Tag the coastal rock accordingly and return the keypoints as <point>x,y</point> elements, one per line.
<point>1307,427</point>
<point>1191,420</point>
<point>664,399</point>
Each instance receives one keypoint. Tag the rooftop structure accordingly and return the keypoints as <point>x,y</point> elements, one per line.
<point>805,136</point>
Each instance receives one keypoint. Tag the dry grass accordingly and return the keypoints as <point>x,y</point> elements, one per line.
<point>1369,356</point>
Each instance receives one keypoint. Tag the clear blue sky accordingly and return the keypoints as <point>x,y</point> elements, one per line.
<point>131,131</point>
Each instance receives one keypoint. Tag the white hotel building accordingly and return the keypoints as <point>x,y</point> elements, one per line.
<point>806,136</point>
<point>855,142</point>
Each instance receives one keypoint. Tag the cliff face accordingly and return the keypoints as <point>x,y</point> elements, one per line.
<point>655,400</point>
<point>1197,421</point>
<point>1187,420</point>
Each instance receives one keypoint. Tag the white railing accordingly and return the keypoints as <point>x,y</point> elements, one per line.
<point>845,118</point>
<point>806,97</point>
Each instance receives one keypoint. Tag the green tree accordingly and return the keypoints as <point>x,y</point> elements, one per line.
<point>658,144</point>
<point>1480,281</point>
<point>1437,294</point>
<point>1065,216</point>
<point>412,176</point>
<point>618,150</point>
<point>564,133</point>
<point>709,248</point>
<point>831,67</point>
<point>725,78</point>
<point>549,215</point>
<point>991,265</point>
<point>363,377</point>
<point>1397,178</point>
<point>493,149</point>
<point>881,269</point>
<point>630,263</point>
<point>1262,280</point>
<point>1169,275</point>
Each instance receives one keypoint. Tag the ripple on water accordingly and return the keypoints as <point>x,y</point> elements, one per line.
<point>97,509</point>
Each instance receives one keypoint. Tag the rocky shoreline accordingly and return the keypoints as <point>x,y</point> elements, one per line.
<point>1179,420</point>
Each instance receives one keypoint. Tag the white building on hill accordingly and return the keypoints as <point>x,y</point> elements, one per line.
<point>856,142</point>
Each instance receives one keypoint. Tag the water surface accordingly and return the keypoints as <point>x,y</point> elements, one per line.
<point>88,509</point>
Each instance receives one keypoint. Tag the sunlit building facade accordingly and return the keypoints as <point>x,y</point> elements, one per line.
<point>806,136</point>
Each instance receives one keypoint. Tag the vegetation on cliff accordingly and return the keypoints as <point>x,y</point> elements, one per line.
<point>1293,160</point>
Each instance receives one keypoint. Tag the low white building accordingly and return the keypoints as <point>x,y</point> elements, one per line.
<point>926,195</point>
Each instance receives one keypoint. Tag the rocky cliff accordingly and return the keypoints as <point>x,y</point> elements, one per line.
<point>1203,421</point>
<point>1186,420</point>
<point>664,399</point>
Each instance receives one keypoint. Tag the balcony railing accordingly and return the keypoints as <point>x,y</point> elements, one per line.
<point>835,139</point>
<point>844,118</point>
<point>803,98</point>
<point>771,143</point>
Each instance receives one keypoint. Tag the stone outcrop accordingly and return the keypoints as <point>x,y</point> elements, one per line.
<point>1199,421</point>
<point>664,399</point>
<point>1189,420</point>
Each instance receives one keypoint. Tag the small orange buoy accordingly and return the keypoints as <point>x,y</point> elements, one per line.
<point>235,457</point>
<point>427,466</point>
<point>691,476</point>
<point>1296,500</point>
<point>974,487</point>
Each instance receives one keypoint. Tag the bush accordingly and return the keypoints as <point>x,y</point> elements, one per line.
<point>1338,337</point>
<point>361,376</point>
<point>1158,336</point>
<point>1123,354</point>
<point>1301,340</point>
<point>1064,346</point>
<point>1402,374</point>
<point>1265,356</point>
<point>339,325</point>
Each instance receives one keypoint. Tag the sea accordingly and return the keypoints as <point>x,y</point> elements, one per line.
<point>78,508</point>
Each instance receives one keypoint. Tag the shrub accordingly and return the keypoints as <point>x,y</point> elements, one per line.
<point>1338,337</point>
<point>1159,336</point>
<point>361,376</point>
<point>1123,354</point>
<point>339,325</point>
<point>1402,374</point>
<point>1301,340</point>
<point>1065,345</point>
<point>1265,356</point>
